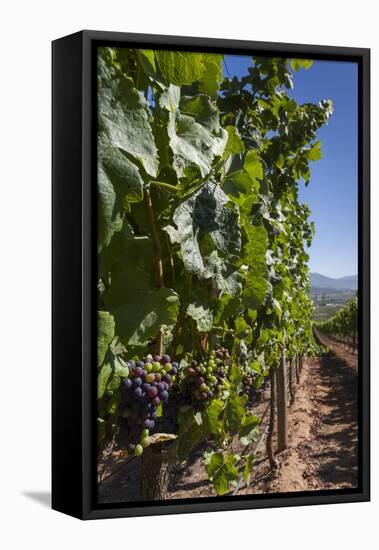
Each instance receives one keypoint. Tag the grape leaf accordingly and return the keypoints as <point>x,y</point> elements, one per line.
<point>123,116</point>
<point>102,380</point>
<point>203,316</point>
<point>249,431</point>
<point>180,67</point>
<point>140,317</point>
<point>222,471</point>
<point>119,183</point>
<point>105,334</point>
<point>297,64</point>
<point>207,211</point>
<point>212,77</point>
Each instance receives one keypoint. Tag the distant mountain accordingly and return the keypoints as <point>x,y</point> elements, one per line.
<point>322,284</point>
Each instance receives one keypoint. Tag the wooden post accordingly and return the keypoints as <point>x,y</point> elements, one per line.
<point>290,381</point>
<point>282,404</point>
<point>271,427</point>
<point>297,369</point>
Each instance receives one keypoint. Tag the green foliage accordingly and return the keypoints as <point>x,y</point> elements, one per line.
<point>202,237</point>
<point>344,322</point>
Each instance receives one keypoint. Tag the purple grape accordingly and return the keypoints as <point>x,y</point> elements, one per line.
<point>164,396</point>
<point>166,386</point>
<point>137,392</point>
<point>156,401</point>
<point>194,363</point>
<point>146,386</point>
<point>210,394</point>
<point>137,381</point>
<point>131,363</point>
<point>175,365</point>
<point>127,383</point>
<point>152,392</point>
<point>140,364</point>
<point>167,378</point>
<point>173,371</point>
<point>157,358</point>
<point>131,447</point>
<point>203,396</point>
<point>166,359</point>
<point>219,355</point>
<point>201,380</point>
<point>161,386</point>
<point>138,371</point>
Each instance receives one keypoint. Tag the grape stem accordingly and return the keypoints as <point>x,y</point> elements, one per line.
<point>158,258</point>
<point>164,185</point>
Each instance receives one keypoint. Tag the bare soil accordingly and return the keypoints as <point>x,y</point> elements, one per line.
<point>323,439</point>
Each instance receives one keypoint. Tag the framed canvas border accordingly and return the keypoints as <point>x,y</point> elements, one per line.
<point>74,271</point>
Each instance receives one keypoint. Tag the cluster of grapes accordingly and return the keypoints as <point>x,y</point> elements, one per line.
<point>205,376</point>
<point>147,386</point>
<point>247,383</point>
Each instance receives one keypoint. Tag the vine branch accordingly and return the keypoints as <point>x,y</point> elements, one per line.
<point>158,257</point>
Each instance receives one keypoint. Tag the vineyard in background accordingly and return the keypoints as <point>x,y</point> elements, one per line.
<point>204,292</point>
<point>343,326</point>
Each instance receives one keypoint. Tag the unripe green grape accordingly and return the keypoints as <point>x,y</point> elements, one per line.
<point>138,450</point>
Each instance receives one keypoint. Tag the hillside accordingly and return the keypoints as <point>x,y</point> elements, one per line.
<point>321,284</point>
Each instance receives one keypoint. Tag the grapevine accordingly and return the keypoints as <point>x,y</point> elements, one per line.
<point>201,248</point>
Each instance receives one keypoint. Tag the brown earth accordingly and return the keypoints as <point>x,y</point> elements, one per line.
<point>322,437</point>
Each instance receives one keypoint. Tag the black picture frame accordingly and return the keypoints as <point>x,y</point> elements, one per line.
<point>74,274</point>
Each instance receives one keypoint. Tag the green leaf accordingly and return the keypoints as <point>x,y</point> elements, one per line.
<point>123,116</point>
<point>202,109</point>
<point>249,431</point>
<point>212,414</point>
<point>147,59</point>
<point>191,431</point>
<point>221,471</point>
<point>105,334</point>
<point>102,380</point>
<point>180,67</point>
<point>234,412</point>
<point>139,319</point>
<point>120,370</point>
<point>297,64</point>
<point>234,145</point>
<point>249,465</point>
<point>110,210</point>
<point>193,144</point>
<point>225,274</point>
<point>253,166</point>
<point>125,282</point>
<point>210,81</point>
<point>315,152</point>
<point>207,212</point>
<point>119,183</point>
<point>257,284</point>
<point>203,317</point>
<point>196,139</point>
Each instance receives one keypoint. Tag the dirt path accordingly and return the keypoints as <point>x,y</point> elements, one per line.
<point>323,430</point>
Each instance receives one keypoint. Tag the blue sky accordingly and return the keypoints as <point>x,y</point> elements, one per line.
<point>332,191</point>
